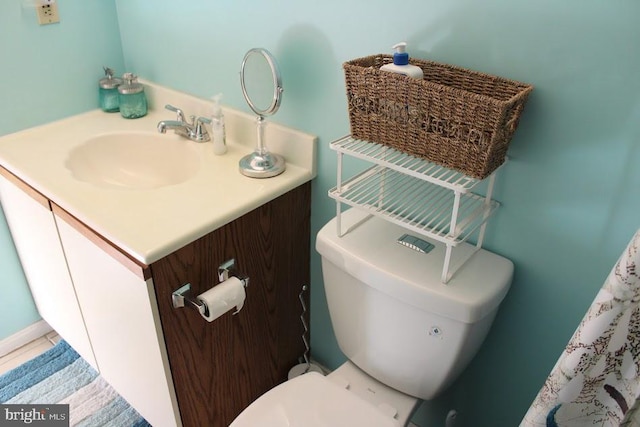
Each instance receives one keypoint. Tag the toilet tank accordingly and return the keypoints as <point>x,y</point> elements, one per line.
<point>392,315</point>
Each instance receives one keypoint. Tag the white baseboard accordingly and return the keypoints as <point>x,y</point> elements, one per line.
<point>24,336</point>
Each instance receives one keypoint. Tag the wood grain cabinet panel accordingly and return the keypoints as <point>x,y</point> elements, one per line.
<point>219,368</point>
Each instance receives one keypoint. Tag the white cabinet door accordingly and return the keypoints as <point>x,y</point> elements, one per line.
<point>122,319</point>
<point>35,236</point>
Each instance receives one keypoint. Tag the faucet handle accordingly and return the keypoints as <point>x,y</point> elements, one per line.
<point>180,114</point>
<point>203,120</point>
<point>200,132</point>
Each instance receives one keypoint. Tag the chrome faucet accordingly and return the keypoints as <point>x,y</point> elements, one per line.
<point>193,130</point>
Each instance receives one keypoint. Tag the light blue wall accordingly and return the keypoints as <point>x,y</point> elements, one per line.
<point>569,193</point>
<point>46,73</point>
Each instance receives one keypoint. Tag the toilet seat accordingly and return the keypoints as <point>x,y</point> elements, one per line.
<point>312,400</point>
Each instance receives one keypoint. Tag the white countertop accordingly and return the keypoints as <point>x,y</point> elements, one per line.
<point>152,223</point>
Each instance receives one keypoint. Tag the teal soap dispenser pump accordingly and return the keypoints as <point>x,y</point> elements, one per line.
<point>133,101</point>
<point>401,64</point>
<point>108,91</point>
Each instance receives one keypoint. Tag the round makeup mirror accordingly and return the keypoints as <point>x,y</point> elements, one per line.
<point>262,89</point>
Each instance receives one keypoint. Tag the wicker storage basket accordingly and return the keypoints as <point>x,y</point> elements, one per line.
<point>458,118</point>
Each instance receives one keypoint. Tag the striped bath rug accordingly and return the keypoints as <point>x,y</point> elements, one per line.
<point>61,376</point>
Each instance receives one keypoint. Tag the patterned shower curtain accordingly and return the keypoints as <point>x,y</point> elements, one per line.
<point>595,382</point>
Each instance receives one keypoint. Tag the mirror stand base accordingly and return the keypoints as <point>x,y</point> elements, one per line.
<point>267,165</point>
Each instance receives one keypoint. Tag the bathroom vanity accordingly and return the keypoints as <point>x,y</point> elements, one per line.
<point>104,255</point>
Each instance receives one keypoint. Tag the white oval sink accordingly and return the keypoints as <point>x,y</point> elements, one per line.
<point>133,160</point>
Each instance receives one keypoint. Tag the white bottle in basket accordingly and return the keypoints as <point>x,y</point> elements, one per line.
<point>401,63</point>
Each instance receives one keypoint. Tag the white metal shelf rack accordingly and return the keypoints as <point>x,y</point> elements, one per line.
<point>431,200</point>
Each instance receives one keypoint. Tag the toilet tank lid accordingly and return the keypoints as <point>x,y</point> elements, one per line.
<point>369,252</point>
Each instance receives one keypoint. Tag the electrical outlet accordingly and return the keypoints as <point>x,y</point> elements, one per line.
<point>47,11</point>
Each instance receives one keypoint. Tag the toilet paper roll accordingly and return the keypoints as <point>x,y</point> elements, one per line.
<point>222,298</point>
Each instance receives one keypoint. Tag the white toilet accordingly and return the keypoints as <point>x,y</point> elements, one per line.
<point>407,335</point>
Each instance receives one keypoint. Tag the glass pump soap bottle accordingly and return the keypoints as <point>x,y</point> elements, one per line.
<point>108,92</point>
<point>133,101</point>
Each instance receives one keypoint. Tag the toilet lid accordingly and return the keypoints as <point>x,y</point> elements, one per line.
<point>311,400</point>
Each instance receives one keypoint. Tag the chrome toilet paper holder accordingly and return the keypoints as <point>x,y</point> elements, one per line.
<point>183,297</point>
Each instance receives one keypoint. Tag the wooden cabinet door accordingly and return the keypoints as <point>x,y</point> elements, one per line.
<point>220,367</point>
<point>35,236</point>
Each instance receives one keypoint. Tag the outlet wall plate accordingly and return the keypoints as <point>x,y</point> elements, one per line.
<point>47,11</point>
